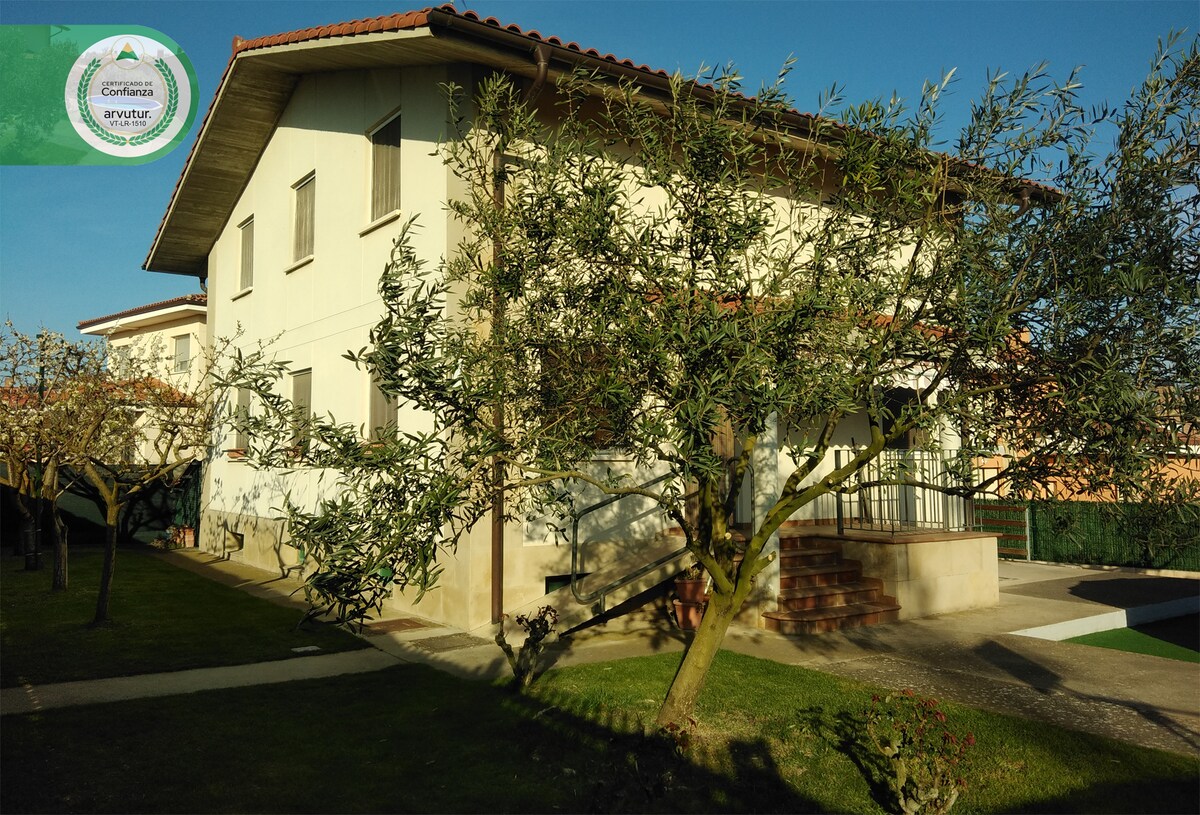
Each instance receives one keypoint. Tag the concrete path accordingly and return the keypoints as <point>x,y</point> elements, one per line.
<point>970,657</point>
<point>30,699</point>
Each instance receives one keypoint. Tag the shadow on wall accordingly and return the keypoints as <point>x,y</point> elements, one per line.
<point>239,527</point>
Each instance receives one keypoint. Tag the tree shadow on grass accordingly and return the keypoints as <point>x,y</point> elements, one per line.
<point>843,731</point>
<point>627,769</point>
<point>1169,796</point>
<point>405,739</point>
<point>1181,631</point>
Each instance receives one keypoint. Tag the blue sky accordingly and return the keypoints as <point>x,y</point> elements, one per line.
<point>73,239</point>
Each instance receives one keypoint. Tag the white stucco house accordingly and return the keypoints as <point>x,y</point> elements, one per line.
<point>174,330</point>
<point>316,145</point>
<point>167,340</point>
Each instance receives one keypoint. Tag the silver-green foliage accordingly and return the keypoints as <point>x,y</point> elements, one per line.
<point>677,272</point>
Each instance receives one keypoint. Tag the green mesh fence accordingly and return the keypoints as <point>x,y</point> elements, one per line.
<point>1141,535</point>
<point>185,498</point>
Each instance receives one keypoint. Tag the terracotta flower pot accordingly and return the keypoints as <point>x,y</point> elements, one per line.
<point>687,615</point>
<point>691,591</point>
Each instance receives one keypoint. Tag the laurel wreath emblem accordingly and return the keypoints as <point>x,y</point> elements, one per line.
<point>164,121</point>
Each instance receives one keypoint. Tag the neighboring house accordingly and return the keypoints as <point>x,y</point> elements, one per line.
<point>170,337</point>
<point>317,144</point>
<point>175,331</point>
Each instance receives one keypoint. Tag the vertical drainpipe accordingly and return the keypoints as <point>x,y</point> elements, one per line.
<point>498,418</point>
<point>542,57</point>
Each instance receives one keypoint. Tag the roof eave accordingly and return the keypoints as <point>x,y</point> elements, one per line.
<point>103,326</point>
<point>262,74</point>
<point>250,98</point>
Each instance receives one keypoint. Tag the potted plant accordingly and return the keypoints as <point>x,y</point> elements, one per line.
<point>691,596</point>
<point>691,585</point>
<point>182,537</point>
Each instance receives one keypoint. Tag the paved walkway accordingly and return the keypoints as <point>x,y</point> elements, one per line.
<point>971,657</point>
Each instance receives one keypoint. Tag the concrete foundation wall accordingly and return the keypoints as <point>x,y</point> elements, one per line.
<point>930,574</point>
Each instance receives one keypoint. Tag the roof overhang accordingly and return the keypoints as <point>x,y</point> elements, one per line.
<point>252,95</point>
<point>104,326</point>
<point>262,75</point>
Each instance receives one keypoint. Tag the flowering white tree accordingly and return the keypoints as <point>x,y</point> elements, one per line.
<point>73,413</point>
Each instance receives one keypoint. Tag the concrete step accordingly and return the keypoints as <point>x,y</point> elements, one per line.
<point>820,621</point>
<point>809,557</point>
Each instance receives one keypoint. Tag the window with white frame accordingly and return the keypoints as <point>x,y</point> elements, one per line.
<point>385,168</point>
<point>246,228</point>
<point>303,237</point>
<point>183,353</point>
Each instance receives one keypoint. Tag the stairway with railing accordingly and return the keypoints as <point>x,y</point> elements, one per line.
<point>598,590</point>
<point>820,590</point>
<point>900,493</point>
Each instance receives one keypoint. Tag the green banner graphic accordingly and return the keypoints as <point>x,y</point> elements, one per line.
<point>92,94</point>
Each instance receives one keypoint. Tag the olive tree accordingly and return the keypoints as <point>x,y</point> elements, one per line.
<point>677,274</point>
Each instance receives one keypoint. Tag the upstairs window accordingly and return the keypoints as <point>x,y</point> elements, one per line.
<point>183,353</point>
<point>119,358</point>
<point>247,260</point>
<point>385,169</point>
<point>306,217</point>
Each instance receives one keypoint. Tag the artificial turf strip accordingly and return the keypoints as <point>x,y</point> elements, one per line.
<point>770,738</point>
<point>163,619</point>
<point>1173,639</point>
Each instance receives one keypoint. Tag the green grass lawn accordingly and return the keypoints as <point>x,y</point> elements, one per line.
<point>1176,638</point>
<point>163,619</point>
<point>771,738</point>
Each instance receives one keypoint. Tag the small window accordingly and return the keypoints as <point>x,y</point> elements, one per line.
<point>382,411</point>
<point>385,169</point>
<point>183,353</point>
<point>301,405</point>
<point>119,358</point>
<point>241,413</point>
<point>247,267</point>
<point>306,217</point>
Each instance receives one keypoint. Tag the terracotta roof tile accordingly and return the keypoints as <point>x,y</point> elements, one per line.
<point>418,19</point>
<point>392,22</point>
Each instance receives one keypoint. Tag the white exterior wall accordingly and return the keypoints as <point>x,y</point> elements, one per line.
<point>158,340</point>
<point>150,337</point>
<point>321,308</point>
